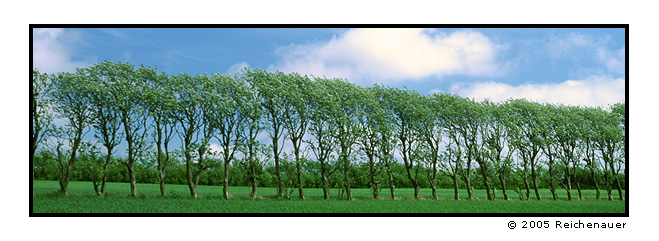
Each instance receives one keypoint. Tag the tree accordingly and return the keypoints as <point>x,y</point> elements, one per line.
<point>270,89</point>
<point>41,118</point>
<point>404,106</point>
<point>547,130</point>
<point>345,118</point>
<point>160,103</point>
<point>609,139</point>
<point>105,116</point>
<point>386,128</point>
<point>128,93</point>
<point>296,116</point>
<point>253,115</point>
<point>495,142</point>
<point>189,115</point>
<point>430,129</point>
<point>228,117</point>
<point>370,136</point>
<point>322,128</point>
<point>568,137</point>
<point>71,102</point>
<point>451,164</point>
<point>525,138</point>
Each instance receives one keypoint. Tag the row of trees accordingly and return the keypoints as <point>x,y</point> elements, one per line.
<point>330,122</point>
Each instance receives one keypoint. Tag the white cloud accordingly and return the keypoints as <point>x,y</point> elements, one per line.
<point>592,91</point>
<point>52,50</point>
<point>390,55</point>
<point>237,68</point>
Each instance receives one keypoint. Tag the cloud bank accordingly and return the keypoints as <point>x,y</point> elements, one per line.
<point>392,55</point>
<point>591,91</point>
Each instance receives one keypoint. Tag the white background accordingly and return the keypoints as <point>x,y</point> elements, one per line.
<point>15,20</point>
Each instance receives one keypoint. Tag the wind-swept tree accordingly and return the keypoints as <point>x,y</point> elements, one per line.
<point>228,117</point>
<point>568,139</point>
<point>71,102</point>
<point>525,138</point>
<point>189,116</point>
<point>589,116</point>
<point>609,139</point>
<point>160,103</point>
<point>347,125</point>
<point>451,161</point>
<point>270,89</point>
<point>42,117</point>
<point>430,129</point>
<point>404,106</point>
<point>386,129</point>
<point>296,116</point>
<point>370,136</point>
<point>105,116</point>
<point>129,99</point>
<point>547,129</point>
<point>252,113</point>
<point>322,128</point>
<point>495,143</point>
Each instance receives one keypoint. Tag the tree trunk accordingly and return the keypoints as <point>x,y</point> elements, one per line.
<point>133,181</point>
<point>253,180</point>
<point>526,181</point>
<point>534,178</point>
<point>346,171</point>
<point>485,181</point>
<point>456,195</point>
<point>325,188</point>
<point>391,184</point>
<point>552,187</point>
<point>225,189</point>
<point>616,179</point>
<point>502,180</point>
<point>280,181</point>
<point>374,186</point>
<point>578,190</point>
<point>299,172</point>
<point>188,176</point>
<point>64,180</point>
<point>568,187</point>
<point>163,192</point>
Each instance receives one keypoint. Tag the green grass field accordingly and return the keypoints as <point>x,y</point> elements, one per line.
<point>83,200</point>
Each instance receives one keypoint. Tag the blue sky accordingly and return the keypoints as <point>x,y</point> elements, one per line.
<point>545,65</point>
<point>567,66</point>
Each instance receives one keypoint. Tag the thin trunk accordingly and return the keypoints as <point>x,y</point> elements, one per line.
<point>299,169</point>
<point>280,181</point>
<point>526,181</point>
<point>616,179</point>
<point>456,196</point>
<point>485,181</point>
<point>188,176</point>
<point>133,182</point>
<point>433,182</point>
<point>346,173</point>
<point>253,180</point>
<point>552,187</point>
<point>502,180</point>
<point>325,188</point>
<point>374,186</point>
<point>391,183</point>
<point>534,178</point>
<point>225,189</point>
<point>568,187</point>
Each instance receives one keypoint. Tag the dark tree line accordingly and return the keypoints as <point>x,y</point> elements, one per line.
<point>342,135</point>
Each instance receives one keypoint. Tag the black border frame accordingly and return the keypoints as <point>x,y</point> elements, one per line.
<point>625,214</point>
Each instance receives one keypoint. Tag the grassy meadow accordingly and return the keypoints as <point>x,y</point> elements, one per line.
<point>82,199</point>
